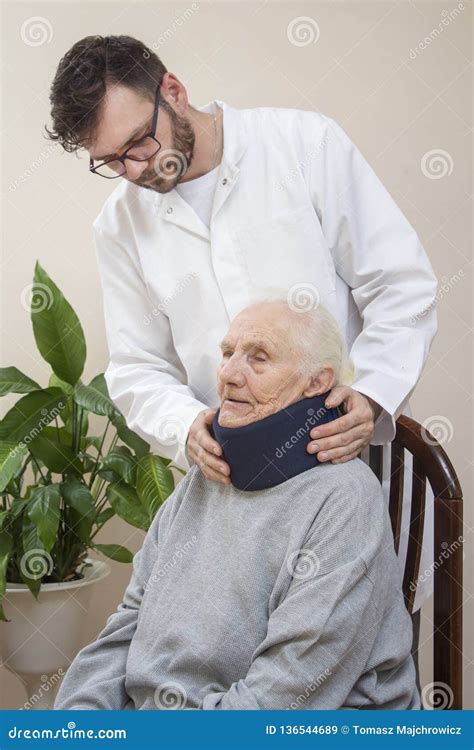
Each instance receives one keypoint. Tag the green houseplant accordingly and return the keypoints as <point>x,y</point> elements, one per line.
<point>76,485</point>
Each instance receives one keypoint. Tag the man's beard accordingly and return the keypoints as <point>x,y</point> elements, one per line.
<point>169,165</point>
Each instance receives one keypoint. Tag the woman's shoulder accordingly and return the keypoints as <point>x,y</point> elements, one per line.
<point>350,474</point>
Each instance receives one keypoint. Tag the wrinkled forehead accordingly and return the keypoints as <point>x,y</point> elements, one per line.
<point>262,323</point>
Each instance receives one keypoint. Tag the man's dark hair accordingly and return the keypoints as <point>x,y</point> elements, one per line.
<point>81,80</point>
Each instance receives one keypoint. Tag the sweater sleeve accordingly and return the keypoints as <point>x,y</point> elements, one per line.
<point>320,635</point>
<point>96,677</point>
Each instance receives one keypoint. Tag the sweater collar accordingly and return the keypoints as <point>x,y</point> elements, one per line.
<point>269,451</point>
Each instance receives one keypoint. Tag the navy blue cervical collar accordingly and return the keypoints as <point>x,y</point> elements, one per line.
<point>269,451</point>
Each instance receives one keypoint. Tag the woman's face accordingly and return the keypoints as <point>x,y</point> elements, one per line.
<point>258,375</point>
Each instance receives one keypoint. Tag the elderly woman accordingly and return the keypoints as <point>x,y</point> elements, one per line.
<point>279,590</point>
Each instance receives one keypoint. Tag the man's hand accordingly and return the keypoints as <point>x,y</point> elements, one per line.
<point>203,449</point>
<point>343,439</point>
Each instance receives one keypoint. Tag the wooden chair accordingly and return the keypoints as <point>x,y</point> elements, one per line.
<point>430,463</point>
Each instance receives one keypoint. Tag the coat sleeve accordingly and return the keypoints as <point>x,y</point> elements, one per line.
<point>145,377</point>
<point>379,255</point>
<point>96,677</point>
<point>320,635</point>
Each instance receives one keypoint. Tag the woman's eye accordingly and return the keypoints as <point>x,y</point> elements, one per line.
<point>260,359</point>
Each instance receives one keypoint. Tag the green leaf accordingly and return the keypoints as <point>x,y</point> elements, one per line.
<point>36,563</point>
<point>52,446</point>
<point>55,382</point>
<point>130,438</point>
<point>31,414</point>
<point>115,552</point>
<point>78,496</point>
<point>94,440</point>
<point>126,503</point>
<point>95,397</point>
<point>6,544</point>
<point>18,506</point>
<point>105,516</point>
<point>67,413</point>
<point>57,329</point>
<point>121,461</point>
<point>11,460</point>
<point>43,510</point>
<point>14,381</point>
<point>88,463</point>
<point>155,482</point>
<point>109,476</point>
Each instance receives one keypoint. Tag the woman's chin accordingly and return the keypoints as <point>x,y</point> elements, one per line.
<point>235,414</point>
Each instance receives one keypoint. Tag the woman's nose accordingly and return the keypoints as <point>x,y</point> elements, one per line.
<point>232,372</point>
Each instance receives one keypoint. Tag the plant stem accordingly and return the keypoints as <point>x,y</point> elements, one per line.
<point>39,469</point>
<point>99,455</point>
<point>79,431</point>
<point>57,429</point>
<point>73,424</point>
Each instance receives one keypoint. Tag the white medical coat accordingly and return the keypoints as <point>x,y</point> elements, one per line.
<point>296,207</point>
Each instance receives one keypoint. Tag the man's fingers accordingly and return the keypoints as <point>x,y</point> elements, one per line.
<point>208,443</point>
<point>214,476</point>
<point>339,452</point>
<point>337,441</point>
<point>343,459</point>
<point>341,424</point>
<point>206,459</point>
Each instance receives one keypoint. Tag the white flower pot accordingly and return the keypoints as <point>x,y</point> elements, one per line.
<point>44,634</point>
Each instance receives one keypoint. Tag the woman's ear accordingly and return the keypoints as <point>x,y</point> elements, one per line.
<point>321,383</point>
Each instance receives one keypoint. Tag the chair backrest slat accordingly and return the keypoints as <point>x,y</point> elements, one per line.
<point>397,474</point>
<point>430,465</point>
<point>376,460</point>
<point>417,517</point>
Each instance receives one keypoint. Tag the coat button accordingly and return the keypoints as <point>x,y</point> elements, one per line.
<point>224,181</point>
<point>169,210</point>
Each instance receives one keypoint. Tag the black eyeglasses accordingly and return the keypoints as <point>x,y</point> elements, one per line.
<point>141,150</point>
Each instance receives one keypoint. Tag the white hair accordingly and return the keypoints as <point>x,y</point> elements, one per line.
<point>316,333</point>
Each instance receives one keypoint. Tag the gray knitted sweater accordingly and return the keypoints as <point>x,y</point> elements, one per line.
<point>284,598</point>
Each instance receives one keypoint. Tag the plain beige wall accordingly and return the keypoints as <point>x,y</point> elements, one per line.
<point>401,89</point>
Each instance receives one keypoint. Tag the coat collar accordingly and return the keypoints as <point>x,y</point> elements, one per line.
<point>172,207</point>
